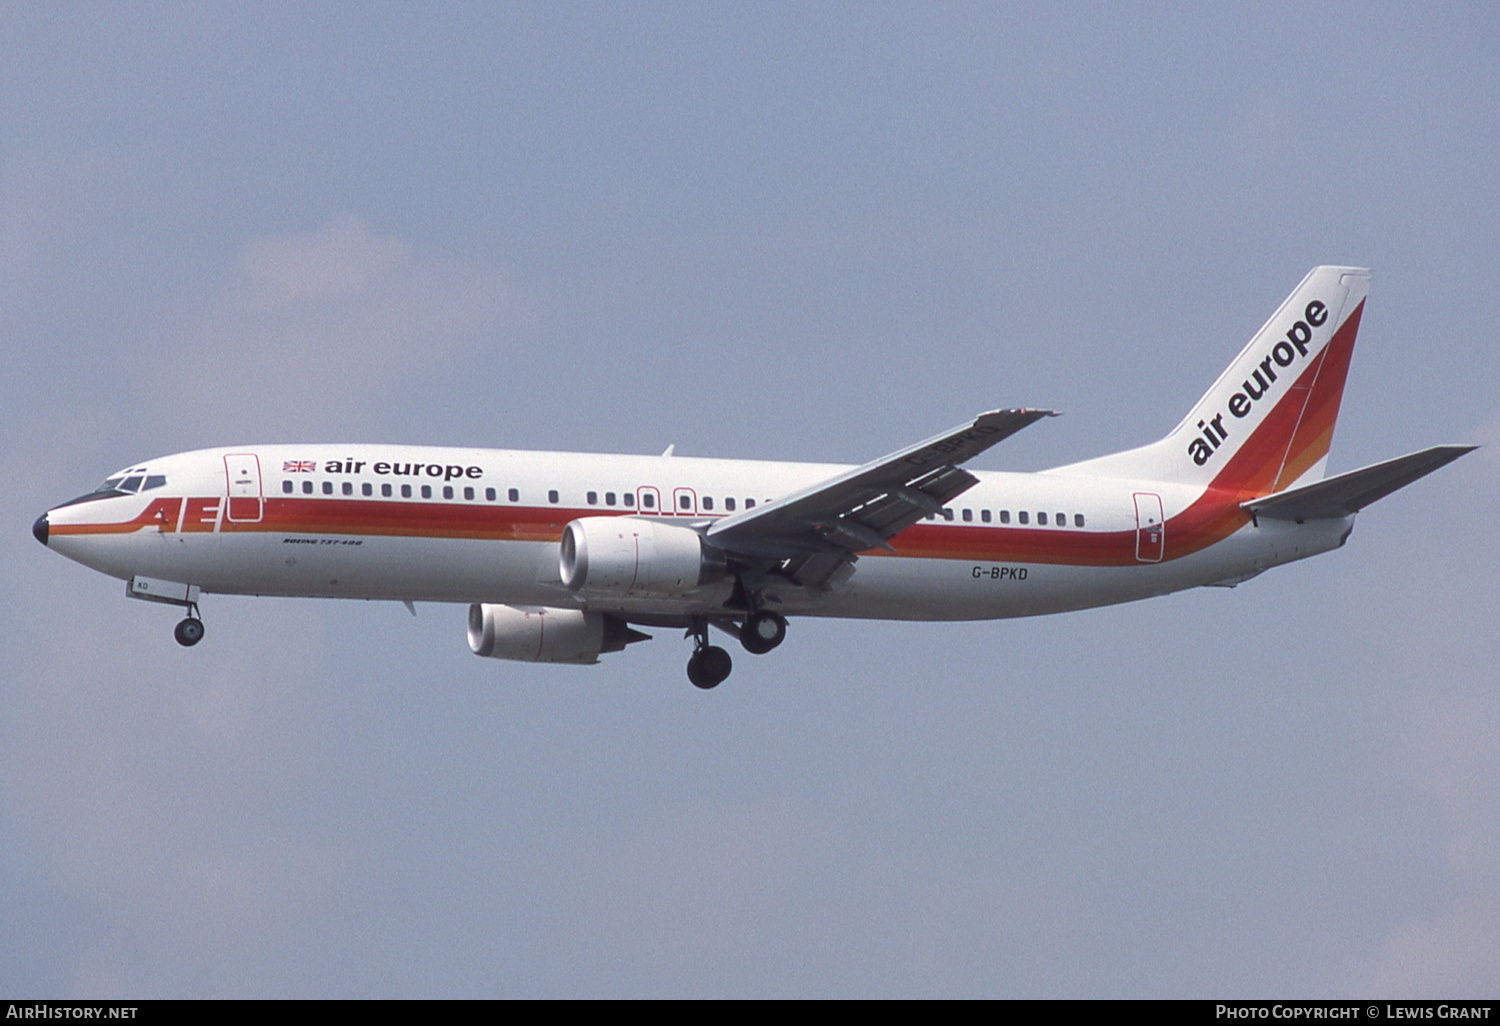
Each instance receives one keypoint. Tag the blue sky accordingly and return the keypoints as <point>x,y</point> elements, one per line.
<point>792,231</point>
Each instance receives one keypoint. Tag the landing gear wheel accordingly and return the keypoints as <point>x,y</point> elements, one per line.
<point>762,632</point>
<point>708,667</point>
<point>189,632</point>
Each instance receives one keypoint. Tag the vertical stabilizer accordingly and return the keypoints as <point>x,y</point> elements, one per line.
<point>1267,423</point>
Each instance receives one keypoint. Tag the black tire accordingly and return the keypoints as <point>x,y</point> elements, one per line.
<point>697,674</point>
<point>716,663</point>
<point>762,632</point>
<point>708,667</point>
<point>189,632</point>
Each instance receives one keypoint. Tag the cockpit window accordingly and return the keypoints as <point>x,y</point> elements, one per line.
<point>127,482</point>
<point>130,483</point>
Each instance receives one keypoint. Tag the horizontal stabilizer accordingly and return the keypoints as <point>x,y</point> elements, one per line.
<point>1349,493</point>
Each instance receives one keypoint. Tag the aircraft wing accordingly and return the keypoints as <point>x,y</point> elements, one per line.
<point>1349,493</point>
<point>810,534</point>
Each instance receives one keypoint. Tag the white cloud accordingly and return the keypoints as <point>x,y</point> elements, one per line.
<point>341,258</point>
<point>321,333</point>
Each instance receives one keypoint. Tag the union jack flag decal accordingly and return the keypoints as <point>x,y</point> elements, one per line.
<point>299,467</point>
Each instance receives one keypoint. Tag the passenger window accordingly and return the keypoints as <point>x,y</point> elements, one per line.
<point>708,502</point>
<point>684,502</point>
<point>1060,519</point>
<point>552,496</point>
<point>348,488</point>
<point>1005,516</point>
<point>968,515</point>
<point>729,505</point>
<point>469,494</point>
<point>984,515</point>
<point>947,513</point>
<point>327,487</point>
<point>609,498</point>
<point>447,491</point>
<point>515,495</point>
<point>628,499</point>
<point>286,486</point>
<point>406,491</point>
<point>385,490</point>
<point>427,491</point>
<point>306,487</point>
<point>1022,517</point>
<point>648,500</point>
<point>592,498</point>
<point>367,489</point>
<point>749,503</point>
<point>489,495</point>
<point>1077,519</point>
<point>1041,518</point>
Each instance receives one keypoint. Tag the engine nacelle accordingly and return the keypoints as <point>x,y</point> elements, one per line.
<point>620,556</point>
<point>541,634</point>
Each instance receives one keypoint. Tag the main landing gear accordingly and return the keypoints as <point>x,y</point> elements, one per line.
<point>762,631</point>
<point>709,665</point>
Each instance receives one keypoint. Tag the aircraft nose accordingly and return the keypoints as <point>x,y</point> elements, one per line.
<point>39,529</point>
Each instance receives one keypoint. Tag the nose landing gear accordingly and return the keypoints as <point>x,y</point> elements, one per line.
<point>172,593</point>
<point>189,632</point>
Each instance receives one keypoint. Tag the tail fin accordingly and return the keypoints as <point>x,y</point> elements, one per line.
<point>1267,423</point>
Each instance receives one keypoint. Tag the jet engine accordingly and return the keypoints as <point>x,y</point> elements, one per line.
<point>627,556</point>
<point>541,634</point>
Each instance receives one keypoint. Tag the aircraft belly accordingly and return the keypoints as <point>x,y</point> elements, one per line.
<point>940,589</point>
<point>336,566</point>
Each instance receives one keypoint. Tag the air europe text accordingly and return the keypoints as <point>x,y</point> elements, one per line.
<point>445,471</point>
<point>1287,351</point>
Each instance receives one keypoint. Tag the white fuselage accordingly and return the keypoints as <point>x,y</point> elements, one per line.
<point>482,526</point>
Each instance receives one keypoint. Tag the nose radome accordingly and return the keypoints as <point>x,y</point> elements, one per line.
<point>39,529</point>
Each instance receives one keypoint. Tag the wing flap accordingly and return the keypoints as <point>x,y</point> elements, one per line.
<point>1349,493</point>
<point>863,508</point>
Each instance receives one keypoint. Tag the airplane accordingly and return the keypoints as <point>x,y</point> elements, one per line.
<point>561,556</point>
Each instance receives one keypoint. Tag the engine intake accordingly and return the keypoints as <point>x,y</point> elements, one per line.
<point>542,634</point>
<point>627,556</point>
